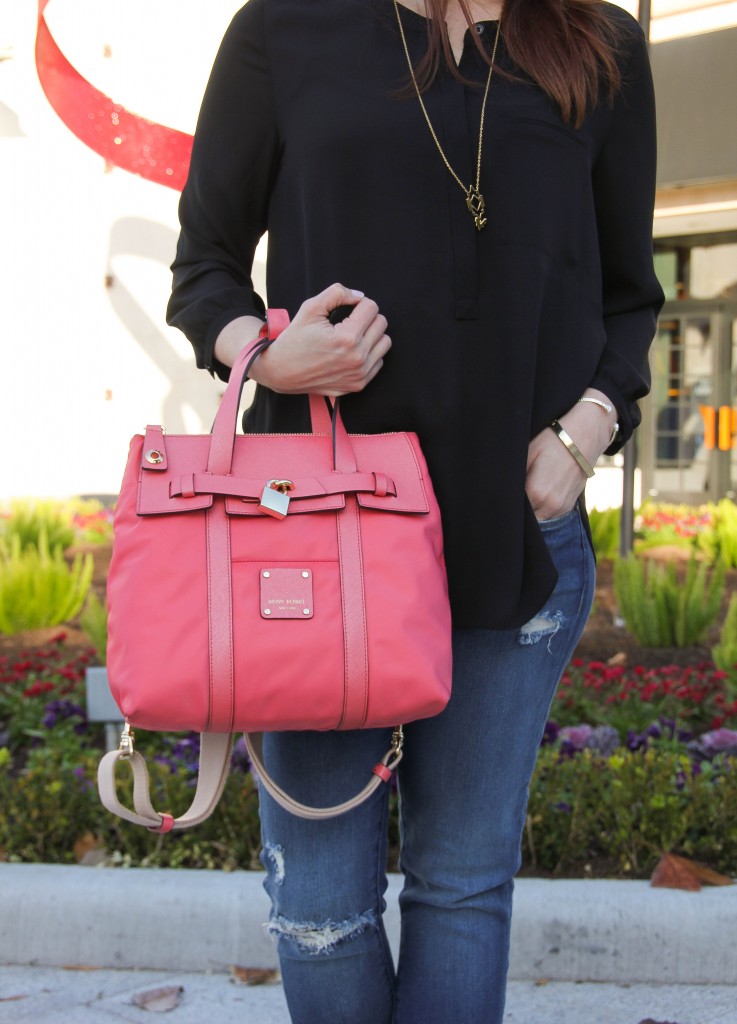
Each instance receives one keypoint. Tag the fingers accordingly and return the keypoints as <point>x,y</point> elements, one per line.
<point>326,301</point>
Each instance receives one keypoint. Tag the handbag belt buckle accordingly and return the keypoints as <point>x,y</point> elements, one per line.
<point>275,498</point>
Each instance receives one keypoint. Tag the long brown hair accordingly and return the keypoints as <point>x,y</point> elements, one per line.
<point>567,46</point>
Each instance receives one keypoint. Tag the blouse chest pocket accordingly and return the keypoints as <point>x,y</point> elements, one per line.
<point>541,178</point>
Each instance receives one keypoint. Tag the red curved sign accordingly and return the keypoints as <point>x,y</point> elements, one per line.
<point>121,137</point>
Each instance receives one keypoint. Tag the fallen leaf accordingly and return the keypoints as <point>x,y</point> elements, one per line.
<point>253,975</point>
<point>542,981</point>
<point>674,872</point>
<point>710,877</point>
<point>649,1020</point>
<point>12,999</point>
<point>620,658</point>
<point>89,850</point>
<point>159,1000</point>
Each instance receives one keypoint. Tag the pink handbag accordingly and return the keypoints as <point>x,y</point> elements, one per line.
<point>272,582</point>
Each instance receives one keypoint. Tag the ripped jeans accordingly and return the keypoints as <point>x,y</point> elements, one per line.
<point>463,792</point>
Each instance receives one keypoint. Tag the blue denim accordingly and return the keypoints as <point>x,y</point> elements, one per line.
<point>463,793</point>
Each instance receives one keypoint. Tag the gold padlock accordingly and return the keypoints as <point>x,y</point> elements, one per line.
<point>275,498</point>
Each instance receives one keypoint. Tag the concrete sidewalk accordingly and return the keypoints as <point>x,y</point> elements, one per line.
<point>43,995</point>
<point>641,953</point>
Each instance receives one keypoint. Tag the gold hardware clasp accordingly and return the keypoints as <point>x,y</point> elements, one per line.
<point>281,485</point>
<point>126,741</point>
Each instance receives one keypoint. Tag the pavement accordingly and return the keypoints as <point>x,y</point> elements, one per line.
<point>78,943</point>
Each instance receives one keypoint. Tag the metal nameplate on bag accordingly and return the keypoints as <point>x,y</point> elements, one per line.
<point>275,498</point>
<point>286,593</point>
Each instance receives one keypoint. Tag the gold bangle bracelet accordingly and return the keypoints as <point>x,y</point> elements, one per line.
<point>568,441</point>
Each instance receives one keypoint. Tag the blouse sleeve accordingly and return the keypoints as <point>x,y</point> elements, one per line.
<point>224,204</point>
<point>624,194</point>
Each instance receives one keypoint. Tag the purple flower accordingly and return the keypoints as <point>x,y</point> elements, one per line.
<point>664,728</point>
<point>239,759</point>
<point>718,741</point>
<point>81,779</point>
<point>576,736</point>
<point>57,710</point>
<point>604,739</point>
<point>550,734</point>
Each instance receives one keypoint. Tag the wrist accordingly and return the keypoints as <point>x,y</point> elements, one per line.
<point>593,398</point>
<point>565,438</point>
<point>234,337</point>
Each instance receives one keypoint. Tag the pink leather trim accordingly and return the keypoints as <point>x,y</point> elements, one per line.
<point>154,441</point>
<point>190,484</point>
<point>187,487</point>
<point>382,771</point>
<point>381,485</point>
<point>286,593</point>
<point>220,607</point>
<point>220,456</point>
<point>355,701</point>
<point>277,321</point>
<point>167,823</point>
<point>321,421</point>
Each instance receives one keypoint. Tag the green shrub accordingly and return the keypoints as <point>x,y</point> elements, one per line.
<point>618,814</point>
<point>32,520</point>
<point>719,540</point>
<point>51,802</point>
<point>93,621</point>
<point>47,806</point>
<point>605,528</point>
<point>609,816</point>
<point>662,611</point>
<point>612,816</point>
<point>725,652</point>
<point>37,587</point>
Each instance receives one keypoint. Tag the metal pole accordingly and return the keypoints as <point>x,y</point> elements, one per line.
<point>629,452</point>
<point>643,16</point>
<point>627,522</point>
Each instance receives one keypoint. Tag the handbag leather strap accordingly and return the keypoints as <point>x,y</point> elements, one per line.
<point>215,752</point>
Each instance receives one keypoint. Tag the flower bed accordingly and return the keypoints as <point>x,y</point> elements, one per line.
<point>634,762</point>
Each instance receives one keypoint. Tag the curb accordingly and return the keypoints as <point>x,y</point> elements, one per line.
<point>184,920</point>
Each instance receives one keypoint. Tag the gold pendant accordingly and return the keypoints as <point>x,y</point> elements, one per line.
<point>476,207</point>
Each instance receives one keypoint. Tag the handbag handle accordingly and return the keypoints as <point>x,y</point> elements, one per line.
<point>215,751</point>
<point>222,440</point>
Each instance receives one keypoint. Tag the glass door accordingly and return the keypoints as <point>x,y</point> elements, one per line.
<point>690,420</point>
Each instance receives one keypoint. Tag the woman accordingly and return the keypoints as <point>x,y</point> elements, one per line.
<point>485,191</point>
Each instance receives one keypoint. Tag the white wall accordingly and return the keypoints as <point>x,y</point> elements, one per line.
<point>85,366</point>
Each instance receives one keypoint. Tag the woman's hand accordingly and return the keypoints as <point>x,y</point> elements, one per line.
<point>554,478</point>
<point>313,356</point>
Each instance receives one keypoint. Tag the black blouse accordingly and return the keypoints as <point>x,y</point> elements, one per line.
<point>495,333</point>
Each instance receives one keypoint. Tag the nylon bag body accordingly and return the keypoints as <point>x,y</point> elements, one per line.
<point>375,647</point>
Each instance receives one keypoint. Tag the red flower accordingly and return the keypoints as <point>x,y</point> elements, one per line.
<point>37,689</point>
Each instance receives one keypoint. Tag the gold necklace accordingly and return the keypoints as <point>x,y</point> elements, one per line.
<point>474,199</point>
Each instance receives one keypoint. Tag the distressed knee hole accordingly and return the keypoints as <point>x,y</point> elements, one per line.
<point>545,624</point>
<point>317,939</point>
<point>276,855</point>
